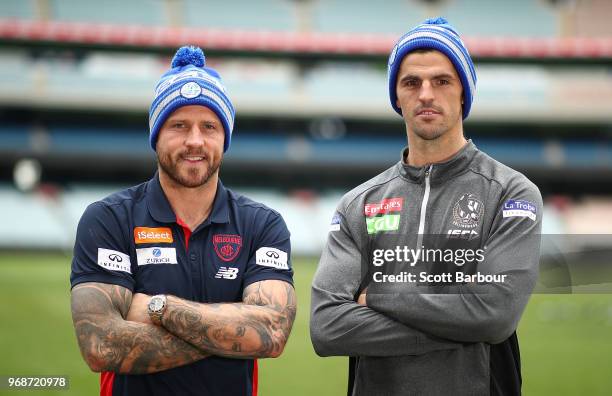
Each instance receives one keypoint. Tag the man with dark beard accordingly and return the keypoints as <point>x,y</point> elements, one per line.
<point>445,337</point>
<point>179,284</point>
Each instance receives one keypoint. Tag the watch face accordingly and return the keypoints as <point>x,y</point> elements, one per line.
<point>156,304</point>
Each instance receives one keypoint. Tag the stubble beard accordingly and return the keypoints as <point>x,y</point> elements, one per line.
<point>194,178</point>
<point>431,132</point>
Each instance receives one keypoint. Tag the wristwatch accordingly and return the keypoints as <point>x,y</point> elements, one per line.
<point>156,308</point>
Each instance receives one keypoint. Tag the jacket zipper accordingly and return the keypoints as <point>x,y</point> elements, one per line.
<point>424,207</point>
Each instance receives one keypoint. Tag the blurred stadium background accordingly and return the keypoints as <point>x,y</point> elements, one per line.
<point>308,78</point>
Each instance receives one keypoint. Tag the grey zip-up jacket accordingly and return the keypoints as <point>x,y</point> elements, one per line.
<point>430,339</point>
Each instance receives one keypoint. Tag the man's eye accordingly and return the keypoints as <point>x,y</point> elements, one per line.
<point>411,83</point>
<point>443,82</point>
<point>178,125</point>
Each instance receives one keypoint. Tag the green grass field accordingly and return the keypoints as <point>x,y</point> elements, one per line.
<point>566,341</point>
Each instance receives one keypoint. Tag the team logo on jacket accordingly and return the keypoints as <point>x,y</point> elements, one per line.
<point>382,216</point>
<point>227,273</point>
<point>272,257</point>
<point>335,223</point>
<point>227,246</point>
<point>152,235</point>
<point>156,255</point>
<point>468,211</point>
<point>519,208</point>
<point>114,260</point>
<point>383,207</point>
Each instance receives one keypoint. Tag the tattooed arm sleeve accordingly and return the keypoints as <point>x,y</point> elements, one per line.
<point>256,328</point>
<point>110,343</point>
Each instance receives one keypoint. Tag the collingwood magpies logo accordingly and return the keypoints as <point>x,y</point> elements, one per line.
<point>468,211</point>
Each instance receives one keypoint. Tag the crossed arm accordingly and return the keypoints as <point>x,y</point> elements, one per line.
<point>108,342</point>
<point>477,312</point>
<point>256,328</point>
<point>111,339</point>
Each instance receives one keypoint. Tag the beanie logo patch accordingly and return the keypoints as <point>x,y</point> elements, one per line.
<point>191,90</point>
<point>191,74</point>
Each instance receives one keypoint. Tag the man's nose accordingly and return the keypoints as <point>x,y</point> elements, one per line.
<point>195,137</point>
<point>426,93</point>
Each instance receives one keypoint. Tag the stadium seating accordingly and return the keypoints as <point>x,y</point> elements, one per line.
<point>22,9</point>
<point>472,17</point>
<point>274,15</point>
<point>14,138</point>
<point>347,84</point>
<point>124,82</point>
<point>35,221</point>
<point>141,12</point>
<point>393,16</point>
<point>518,18</point>
<point>259,146</point>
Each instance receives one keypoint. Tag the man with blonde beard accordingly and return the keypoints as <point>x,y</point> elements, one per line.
<point>179,284</point>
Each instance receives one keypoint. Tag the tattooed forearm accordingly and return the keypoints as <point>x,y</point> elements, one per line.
<point>258,327</point>
<point>110,343</point>
<point>278,296</point>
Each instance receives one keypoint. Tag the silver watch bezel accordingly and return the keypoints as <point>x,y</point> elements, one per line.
<point>153,307</point>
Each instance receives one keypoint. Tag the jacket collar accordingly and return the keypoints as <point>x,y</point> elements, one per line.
<point>161,211</point>
<point>441,171</point>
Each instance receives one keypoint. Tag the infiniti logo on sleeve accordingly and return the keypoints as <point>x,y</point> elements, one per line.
<point>272,257</point>
<point>272,254</point>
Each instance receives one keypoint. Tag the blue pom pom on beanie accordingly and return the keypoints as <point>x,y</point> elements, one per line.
<point>188,56</point>
<point>437,34</point>
<point>190,82</point>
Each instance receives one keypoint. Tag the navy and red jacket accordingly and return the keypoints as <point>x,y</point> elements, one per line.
<point>133,239</point>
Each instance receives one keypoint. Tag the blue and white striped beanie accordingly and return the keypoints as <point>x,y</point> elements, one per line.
<point>190,82</point>
<point>438,34</point>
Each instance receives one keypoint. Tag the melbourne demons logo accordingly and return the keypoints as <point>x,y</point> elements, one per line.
<point>227,246</point>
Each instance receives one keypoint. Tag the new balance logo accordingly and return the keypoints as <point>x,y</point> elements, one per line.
<point>227,273</point>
